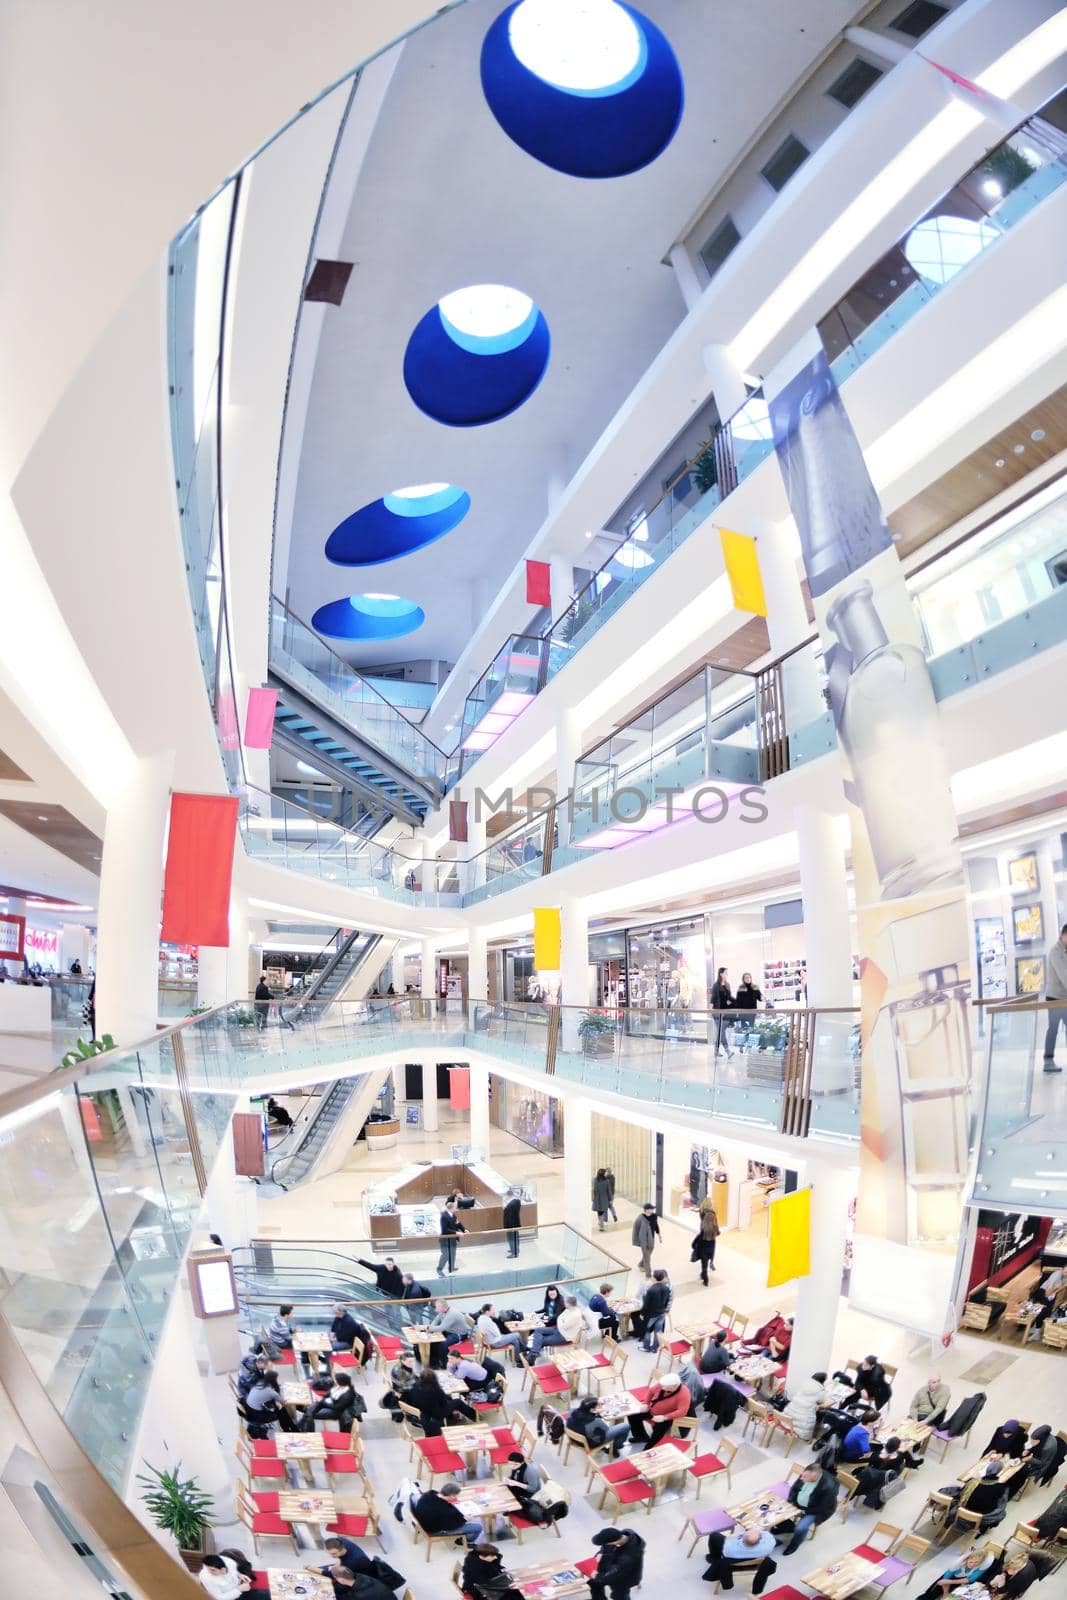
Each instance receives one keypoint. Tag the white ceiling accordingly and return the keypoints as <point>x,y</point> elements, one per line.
<point>444,200</point>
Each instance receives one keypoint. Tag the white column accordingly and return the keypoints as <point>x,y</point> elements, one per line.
<point>827,943</point>
<point>431,1120</point>
<point>577,1162</point>
<point>230,1201</point>
<point>477,965</point>
<point>429,970</point>
<point>778,547</point>
<point>131,885</point>
<point>727,384</point>
<point>479,1113</point>
<point>819,1294</point>
<point>568,749</point>
<point>74,946</point>
<point>561,581</point>
<point>686,274</point>
<point>574,969</point>
<point>237,972</point>
<point>211,976</point>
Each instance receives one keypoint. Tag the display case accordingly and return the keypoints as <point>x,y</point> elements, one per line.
<point>406,1207</point>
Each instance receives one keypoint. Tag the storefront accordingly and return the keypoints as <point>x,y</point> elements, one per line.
<point>607,957</point>
<point>532,1116</point>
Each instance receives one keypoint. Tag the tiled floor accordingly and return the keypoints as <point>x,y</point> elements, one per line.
<point>1031,1385</point>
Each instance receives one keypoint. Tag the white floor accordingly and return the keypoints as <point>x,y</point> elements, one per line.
<point>1031,1385</point>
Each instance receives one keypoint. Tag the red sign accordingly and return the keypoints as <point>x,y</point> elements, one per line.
<point>538,583</point>
<point>12,937</point>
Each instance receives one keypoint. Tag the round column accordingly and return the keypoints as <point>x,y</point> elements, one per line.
<point>819,1294</point>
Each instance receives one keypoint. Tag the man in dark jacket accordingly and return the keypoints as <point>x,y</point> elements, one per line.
<point>345,1552</point>
<point>644,1234</point>
<point>622,1560</point>
<point>512,1214</point>
<point>389,1278</point>
<point>412,1289</point>
<point>716,1356</point>
<point>343,1329</point>
<point>436,1511</point>
<point>450,1226</point>
<point>348,1585</point>
<point>1053,1518</point>
<point>870,1383</point>
<point>252,1368</point>
<point>814,1494</point>
<point>655,1303</point>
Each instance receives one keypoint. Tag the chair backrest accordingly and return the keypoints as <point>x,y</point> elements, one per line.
<point>757,1410</point>
<point>793,1470</point>
<point>410,1413</point>
<point>246,1508</point>
<point>457,1568</point>
<point>359,1350</point>
<point>911,1547</point>
<point>725,1449</point>
<point>851,1365</point>
<point>889,1369</point>
<point>579,1439</point>
<point>884,1530</point>
<point>970,1519</point>
<point>685,1427</point>
<point>728,1316</point>
<point>848,1480</point>
<point>944,1502</point>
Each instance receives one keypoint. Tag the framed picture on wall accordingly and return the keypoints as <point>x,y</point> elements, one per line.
<point>1022,874</point>
<point>1028,924</point>
<point>1029,974</point>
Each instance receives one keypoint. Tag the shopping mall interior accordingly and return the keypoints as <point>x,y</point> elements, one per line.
<point>533,815</point>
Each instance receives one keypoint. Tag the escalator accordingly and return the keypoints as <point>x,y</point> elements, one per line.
<point>345,969</point>
<point>329,714</point>
<point>323,1136</point>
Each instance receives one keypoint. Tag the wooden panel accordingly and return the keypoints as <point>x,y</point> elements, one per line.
<point>248,1144</point>
<point>9,772</point>
<point>627,1150</point>
<point>328,281</point>
<point>56,826</point>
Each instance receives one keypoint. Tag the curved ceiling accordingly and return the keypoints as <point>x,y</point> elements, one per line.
<point>445,199</point>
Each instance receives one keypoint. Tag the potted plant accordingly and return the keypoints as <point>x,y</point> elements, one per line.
<point>181,1508</point>
<point>596,1030</point>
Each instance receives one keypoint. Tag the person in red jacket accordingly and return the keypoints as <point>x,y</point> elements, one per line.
<point>667,1400</point>
<point>775,1337</point>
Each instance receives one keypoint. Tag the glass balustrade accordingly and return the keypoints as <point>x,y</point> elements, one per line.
<point>508,685</point>
<point>1022,1143</point>
<point>516,857</point>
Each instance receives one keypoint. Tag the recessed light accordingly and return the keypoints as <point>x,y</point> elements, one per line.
<point>1037,435</point>
<point>41,817</point>
<point>1018,449</point>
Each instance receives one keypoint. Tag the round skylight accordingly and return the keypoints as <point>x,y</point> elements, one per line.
<point>417,491</point>
<point>584,46</point>
<point>402,521</point>
<point>476,355</point>
<point>368,616</point>
<point>753,421</point>
<point>487,318</point>
<point>939,247</point>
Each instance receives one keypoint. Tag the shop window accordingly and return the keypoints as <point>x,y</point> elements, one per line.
<point>853,83</point>
<point>918,18</point>
<point>714,252</point>
<point>790,155</point>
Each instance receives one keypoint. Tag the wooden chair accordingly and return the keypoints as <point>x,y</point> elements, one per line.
<point>850,1483</point>
<point>670,1350</point>
<point>412,1419</point>
<point>628,1490</point>
<point>523,1524</point>
<point>701,1523</point>
<point>888,1533</point>
<point>756,1418</point>
<point>266,1468</point>
<point>388,1347</point>
<point>450,1539</point>
<point>546,1382</point>
<point>338,1439</point>
<point>733,1321</point>
<point>342,1465</point>
<point>357,1517</point>
<point>781,1426</point>
<point>262,1524</point>
<point>592,1452</point>
<point>436,1460</point>
<point>611,1364</point>
<point>752,1565</point>
<point>903,1557</point>
<point>349,1360</point>
<point>713,1465</point>
<point>457,1575</point>
<point>937,1508</point>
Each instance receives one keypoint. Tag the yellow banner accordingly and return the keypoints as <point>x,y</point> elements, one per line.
<point>790,1238</point>
<point>546,939</point>
<point>742,568</point>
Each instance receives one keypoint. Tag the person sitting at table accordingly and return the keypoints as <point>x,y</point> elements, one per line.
<point>814,1493</point>
<point>345,1552</point>
<point>389,1278</point>
<point>434,1406</point>
<point>348,1585</point>
<point>263,1406</point>
<point>856,1444</point>
<point>344,1329</point>
<point>339,1404</point>
<point>1053,1518</point>
<point>968,1569</point>
<point>690,1375</point>
<point>223,1579</point>
<point>651,1319</point>
<point>477,1374</point>
<point>774,1338</point>
<point>668,1399</point>
<point>803,1409</point>
<point>585,1420</point>
<point>436,1511</point>
<point>986,1495</point>
<point>450,1322</point>
<point>523,1478</point>
<point>484,1574</point>
<point>887,1462</point>
<point>280,1329</point>
<point>491,1333</point>
<point>716,1356</point>
<point>726,1552</point>
<point>1008,1440</point>
<point>250,1371</point>
<point>403,1376</point>
<point>1017,1573</point>
<point>870,1383</point>
<point>552,1305</point>
<point>412,1289</point>
<point>600,1305</point>
<point>277,1113</point>
<point>1040,1455</point>
<point>930,1401</point>
<point>571,1323</point>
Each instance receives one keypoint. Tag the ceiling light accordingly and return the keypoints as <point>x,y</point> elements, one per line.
<point>753,421</point>
<point>41,817</point>
<point>583,46</point>
<point>939,247</point>
<point>990,186</point>
<point>302,766</point>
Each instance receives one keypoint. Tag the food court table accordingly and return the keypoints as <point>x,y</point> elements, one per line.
<point>697,1334</point>
<point>550,1579</point>
<point>571,1361</point>
<point>624,1310</point>
<point>421,1339</point>
<point>616,1407</point>
<point>658,1463</point>
<point>908,1431</point>
<point>487,1499</point>
<point>844,1577</point>
<point>300,1447</point>
<point>451,1383</point>
<point>467,1436</point>
<point>294,1392</point>
<point>762,1511</point>
<point>753,1369</point>
<point>308,1342</point>
<point>285,1583</point>
<point>528,1324</point>
<point>1008,1469</point>
<point>300,1505</point>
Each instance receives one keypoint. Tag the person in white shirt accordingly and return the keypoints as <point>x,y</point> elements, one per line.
<point>492,1335</point>
<point>572,1322</point>
<point>219,1575</point>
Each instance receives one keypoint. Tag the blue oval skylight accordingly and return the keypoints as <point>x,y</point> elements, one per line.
<point>476,355</point>
<point>400,522</point>
<point>368,616</point>
<point>591,88</point>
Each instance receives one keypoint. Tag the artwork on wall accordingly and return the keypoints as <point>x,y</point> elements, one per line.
<point>1029,974</point>
<point>1022,874</point>
<point>1028,924</point>
<point>992,958</point>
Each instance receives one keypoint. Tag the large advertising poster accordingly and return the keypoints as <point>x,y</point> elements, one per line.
<point>912,923</point>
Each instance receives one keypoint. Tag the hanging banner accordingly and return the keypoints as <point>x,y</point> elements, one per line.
<point>457,821</point>
<point>742,568</point>
<point>790,1238</point>
<point>12,937</point>
<point>196,885</point>
<point>910,903</point>
<point>259,718</point>
<point>546,939</point>
<point>538,583</point>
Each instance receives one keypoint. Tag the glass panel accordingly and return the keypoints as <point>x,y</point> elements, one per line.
<point>1022,1156</point>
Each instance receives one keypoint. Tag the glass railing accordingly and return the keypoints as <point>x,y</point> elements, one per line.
<point>1005,186</point>
<point>646,774</point>
<point>515,857</point>
<point>512,680</point>
<point>304,659</point>
<point>1022,1146</point>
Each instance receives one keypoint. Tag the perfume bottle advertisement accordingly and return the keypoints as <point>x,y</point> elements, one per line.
<point>912,925</point>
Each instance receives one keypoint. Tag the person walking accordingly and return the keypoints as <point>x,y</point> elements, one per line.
<point>450,1228</point>
<point>511,1219</point>
<point>704,1243</point>
<point>622,1560</point>
<point>722,999</point>
<point>388,1278</point>
<point>1056,994</point>
<point>602,1191</point>
<point>747,999</point>
<point>644,1234</point>
<point>262,1001</point>
<point>611,1185</point>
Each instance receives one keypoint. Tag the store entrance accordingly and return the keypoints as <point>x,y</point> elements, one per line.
<point>1017,1286</point>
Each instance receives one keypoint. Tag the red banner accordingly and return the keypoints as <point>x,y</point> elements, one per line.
<point>259,718</point>
<point>196,888</point>
<point>457,821</point>
<point>538,583</point>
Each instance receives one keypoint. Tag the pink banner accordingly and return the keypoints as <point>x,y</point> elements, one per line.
<point>259,718</point>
